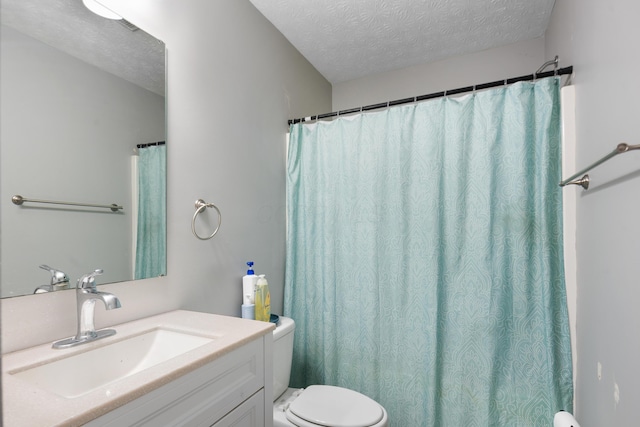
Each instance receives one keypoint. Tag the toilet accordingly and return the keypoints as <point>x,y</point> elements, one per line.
<point>316,405</point>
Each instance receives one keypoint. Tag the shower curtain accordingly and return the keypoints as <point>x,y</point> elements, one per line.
<point>151,246</point>
<point>424,258</point>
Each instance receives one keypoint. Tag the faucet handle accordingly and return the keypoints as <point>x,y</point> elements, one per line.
<point>57,276</point>
<point>88,281</point>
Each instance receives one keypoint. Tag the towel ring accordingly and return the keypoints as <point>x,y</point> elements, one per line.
<point>201,205</point>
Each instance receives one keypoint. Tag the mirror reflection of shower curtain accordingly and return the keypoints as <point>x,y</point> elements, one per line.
<point>151,241</point>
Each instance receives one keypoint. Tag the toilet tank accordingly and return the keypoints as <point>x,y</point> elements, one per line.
<point>282,355</point>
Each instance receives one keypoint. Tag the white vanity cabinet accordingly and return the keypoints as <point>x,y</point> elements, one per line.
<point>233,390</point>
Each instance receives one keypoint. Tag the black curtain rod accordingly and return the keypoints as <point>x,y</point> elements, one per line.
<point>150,144</point>
<point>505,82</point>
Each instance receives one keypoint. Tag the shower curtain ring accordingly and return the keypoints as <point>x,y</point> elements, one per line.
<point>201,205</point>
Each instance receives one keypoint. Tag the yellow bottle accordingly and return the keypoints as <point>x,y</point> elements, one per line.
<point>263,300</point>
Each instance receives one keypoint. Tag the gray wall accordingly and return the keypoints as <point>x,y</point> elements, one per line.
<point>493,64</point>
<point>228,113</point>
<point>233,81</point>
<point>602,41</point>
<point>68,133</point>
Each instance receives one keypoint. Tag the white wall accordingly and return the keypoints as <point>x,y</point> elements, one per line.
<point>68,132</point>
<point>601,40</point>
<point>233,81</point>
<point>493,64</point>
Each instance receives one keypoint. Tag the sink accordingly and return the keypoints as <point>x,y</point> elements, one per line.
<point>81,373</point>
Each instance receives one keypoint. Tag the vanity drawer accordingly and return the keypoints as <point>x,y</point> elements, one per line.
<point>199,398</point>
<point>249,414</point>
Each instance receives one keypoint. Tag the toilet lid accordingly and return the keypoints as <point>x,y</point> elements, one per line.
<point>325,405</point>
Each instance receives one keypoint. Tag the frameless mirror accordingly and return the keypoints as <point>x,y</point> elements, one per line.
<point>80,93</point>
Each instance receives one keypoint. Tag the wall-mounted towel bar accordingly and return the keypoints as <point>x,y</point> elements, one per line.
<point>18,200</point>
<point>584,180</point>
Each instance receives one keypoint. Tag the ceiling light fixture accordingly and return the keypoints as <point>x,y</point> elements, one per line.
<point>99,9</point>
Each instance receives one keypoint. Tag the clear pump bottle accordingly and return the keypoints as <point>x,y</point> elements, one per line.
<point>248,308</point>
<point>263,300</point>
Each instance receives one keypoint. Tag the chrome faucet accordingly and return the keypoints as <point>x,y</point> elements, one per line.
<point>59,280</point>
<point>87,295</point>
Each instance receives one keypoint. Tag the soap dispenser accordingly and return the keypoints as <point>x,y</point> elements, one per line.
<point>249,282</point>
<point>263,300</point>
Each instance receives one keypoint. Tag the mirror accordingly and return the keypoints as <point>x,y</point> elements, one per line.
<point>79,94</point>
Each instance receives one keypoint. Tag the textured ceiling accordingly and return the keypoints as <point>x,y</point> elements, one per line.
<point>69,26</point>
<point>347,39</point>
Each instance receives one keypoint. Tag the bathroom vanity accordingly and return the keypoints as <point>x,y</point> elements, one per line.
<point>178,368</point>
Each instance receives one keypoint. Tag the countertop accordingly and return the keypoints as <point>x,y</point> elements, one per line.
<point>25,404</point>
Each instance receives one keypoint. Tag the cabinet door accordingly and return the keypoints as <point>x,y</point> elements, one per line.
<point>199,398</point>
<point>249,414</point>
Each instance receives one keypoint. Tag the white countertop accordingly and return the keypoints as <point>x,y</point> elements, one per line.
<point>27,405</point>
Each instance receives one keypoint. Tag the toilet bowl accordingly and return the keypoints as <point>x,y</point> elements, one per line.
<point>316,405</point>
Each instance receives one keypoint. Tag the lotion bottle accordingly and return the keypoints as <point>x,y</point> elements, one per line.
<point>249,282</point>
<point>263,300</point>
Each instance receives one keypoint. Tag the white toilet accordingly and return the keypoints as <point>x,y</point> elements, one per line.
<point>316,405</point>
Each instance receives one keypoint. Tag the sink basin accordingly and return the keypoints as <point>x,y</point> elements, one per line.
<point>81,373</point>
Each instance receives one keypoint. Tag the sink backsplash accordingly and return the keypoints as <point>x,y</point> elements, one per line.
<point>37,319</point>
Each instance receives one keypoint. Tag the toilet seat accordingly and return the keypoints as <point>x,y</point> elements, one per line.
<point>323,405</point>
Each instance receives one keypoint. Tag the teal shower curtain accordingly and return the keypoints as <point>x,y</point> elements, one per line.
<point>425,260</point>
<point>151,246</point>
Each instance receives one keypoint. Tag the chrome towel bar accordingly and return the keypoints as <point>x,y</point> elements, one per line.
<point>584,181</point>
<point>19,200</point>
